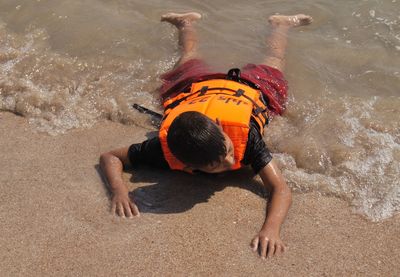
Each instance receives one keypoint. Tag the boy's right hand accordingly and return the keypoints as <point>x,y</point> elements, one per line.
<point>123,206</point>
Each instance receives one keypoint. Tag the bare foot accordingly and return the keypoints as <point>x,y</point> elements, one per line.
<point>181,19</point>
<point>290,20</point>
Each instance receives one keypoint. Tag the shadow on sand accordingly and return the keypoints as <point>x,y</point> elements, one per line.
<point>177,192</point>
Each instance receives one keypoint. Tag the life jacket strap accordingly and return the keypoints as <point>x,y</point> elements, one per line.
<point>145,110</point>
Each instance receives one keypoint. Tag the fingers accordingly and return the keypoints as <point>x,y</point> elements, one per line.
<point>134,209</point>
<point>264,246</point>
<point>271,249</point>
<point>113,207</point>
<point>254,244</point>
<point>120,210</point>
<point>268,247</point>
<point>124,209</point>
<point>279,249</point>
<point>128,211</point>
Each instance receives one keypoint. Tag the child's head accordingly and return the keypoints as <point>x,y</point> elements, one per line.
<point>200,143</point>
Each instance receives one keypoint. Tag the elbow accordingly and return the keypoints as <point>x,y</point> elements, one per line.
<point>104,159</point>
<point>109,159</point>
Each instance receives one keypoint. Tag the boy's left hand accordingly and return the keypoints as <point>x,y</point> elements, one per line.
<point>269,243</point>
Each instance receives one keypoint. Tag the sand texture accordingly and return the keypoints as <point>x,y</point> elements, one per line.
<point>55,218</point>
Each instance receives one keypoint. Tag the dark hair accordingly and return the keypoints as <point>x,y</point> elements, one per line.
<point>196,140</point>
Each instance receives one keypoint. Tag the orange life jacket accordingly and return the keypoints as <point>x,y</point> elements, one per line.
<point>233,103</point>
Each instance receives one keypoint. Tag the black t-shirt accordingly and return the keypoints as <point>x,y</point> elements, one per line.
<point>150,152</point>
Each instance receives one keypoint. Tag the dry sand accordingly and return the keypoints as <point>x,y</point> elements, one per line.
<point>55,218</point>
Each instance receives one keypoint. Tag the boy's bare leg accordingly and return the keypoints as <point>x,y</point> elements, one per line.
<point>187,33</point>
<point>277,40</point>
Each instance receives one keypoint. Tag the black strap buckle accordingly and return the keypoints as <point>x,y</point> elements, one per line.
<point>233,74</point>
<point>258,110</point>
<point>239,93</point>
<point>203,90</point>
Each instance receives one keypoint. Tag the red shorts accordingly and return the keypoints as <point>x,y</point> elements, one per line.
<point>269,80</point>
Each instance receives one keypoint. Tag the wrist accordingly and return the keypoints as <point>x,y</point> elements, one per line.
<point>271,227</point>
<point>121,189</point>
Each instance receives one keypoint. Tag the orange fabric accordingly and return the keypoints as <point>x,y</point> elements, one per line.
<point>217,99</point>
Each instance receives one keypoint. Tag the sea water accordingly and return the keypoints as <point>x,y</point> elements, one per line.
<point>70,64</point>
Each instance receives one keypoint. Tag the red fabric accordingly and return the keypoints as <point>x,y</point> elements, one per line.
<point>270,81</point>
<point>179,78</point>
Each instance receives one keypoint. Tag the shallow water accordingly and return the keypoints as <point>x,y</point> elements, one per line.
<point>70,64</point>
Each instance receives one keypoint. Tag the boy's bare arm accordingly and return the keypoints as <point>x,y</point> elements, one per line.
<point>112,164</point>
<point>268,239</point>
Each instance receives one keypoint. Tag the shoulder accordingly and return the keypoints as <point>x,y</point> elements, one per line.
<point>148,152</point>
<point>257,153</point>
<point>255,138</point>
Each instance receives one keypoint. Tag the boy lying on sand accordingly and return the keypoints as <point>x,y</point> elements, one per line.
<point>214,122</point>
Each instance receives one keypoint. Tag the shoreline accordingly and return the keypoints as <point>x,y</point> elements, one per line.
<point>56,219</point>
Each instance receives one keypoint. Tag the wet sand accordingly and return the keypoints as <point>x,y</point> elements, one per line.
<point>55,218</point>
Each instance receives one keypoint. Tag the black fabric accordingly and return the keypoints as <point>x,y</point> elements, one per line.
<point>257,154</point>
<point>150,152</point>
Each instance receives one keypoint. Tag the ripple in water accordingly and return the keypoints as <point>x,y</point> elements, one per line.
<point>58,92</point>
<point>346,147</point>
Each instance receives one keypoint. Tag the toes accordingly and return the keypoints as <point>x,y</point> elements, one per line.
<point>180,17</point>
<point>290,20</point>
<point>304,19</point>
<point>272,18</point>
